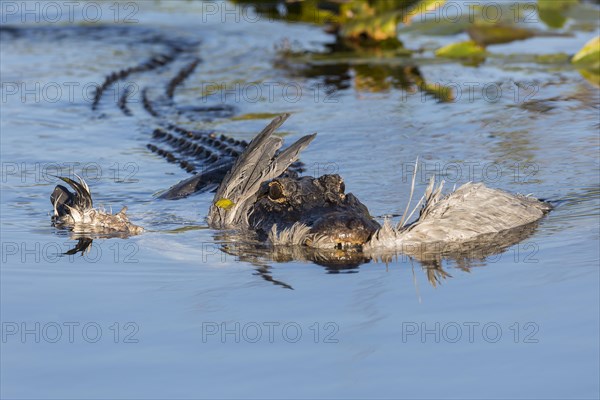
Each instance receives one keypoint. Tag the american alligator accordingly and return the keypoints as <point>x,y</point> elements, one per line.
<point>259,189</point>
<point>316,212</point>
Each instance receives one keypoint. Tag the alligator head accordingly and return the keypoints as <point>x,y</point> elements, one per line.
<point>308,211</point>
<point>330,218</point>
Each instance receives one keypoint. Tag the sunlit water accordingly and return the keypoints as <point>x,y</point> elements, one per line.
<point>168,314</point>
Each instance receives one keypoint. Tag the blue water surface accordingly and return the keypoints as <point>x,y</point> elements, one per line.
<point>168,314</point>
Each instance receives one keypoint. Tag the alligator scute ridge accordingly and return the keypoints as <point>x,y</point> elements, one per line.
<point>205,154</point>
<point>153,63</point>
<point>181,76</point>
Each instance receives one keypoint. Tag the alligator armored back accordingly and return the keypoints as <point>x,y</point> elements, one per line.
<point>206,154</point>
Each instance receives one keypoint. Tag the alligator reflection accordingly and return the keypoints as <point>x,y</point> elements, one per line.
<point>463,256</point>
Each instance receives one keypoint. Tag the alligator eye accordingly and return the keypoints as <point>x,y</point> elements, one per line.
<point>275,191</point>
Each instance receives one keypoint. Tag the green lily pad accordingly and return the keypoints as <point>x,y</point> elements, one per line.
<point>444,94</point>
<point>553,12</point>
<point>556,58</point>
<point>589,56</point>
<point>486,34</point>
<point>444,27</point>
<point>467,49</point>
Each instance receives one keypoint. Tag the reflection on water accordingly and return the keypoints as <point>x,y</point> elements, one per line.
<point>341,67</point>
<point>431,257</point>
<point>180,275</point>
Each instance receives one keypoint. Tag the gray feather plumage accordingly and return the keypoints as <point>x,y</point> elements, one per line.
<point>259,163</point>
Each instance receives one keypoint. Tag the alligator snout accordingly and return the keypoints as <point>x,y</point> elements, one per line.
<point>342,230</point>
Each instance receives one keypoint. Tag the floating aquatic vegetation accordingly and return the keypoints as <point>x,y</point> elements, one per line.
<point>555,58</point>
<point>373,39</point>
<point>464,50</point>
<point>592,77</point>
<point>359,20</point>
<point>588,60</point>
<point>589,56</point>
<point>553,12</point>
<point>376,28</point>
<point>486,34</point>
